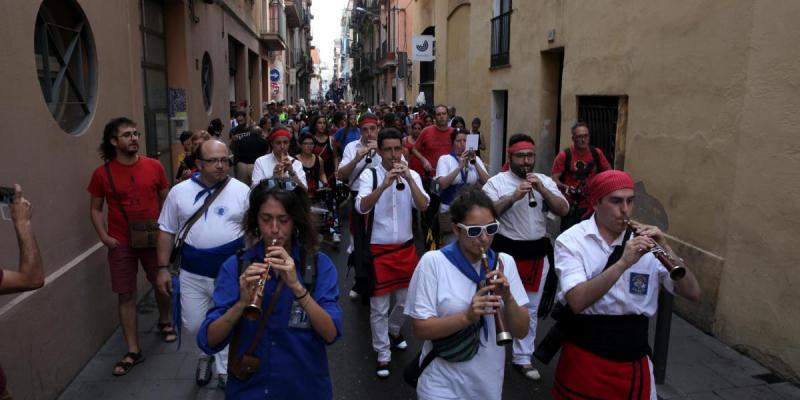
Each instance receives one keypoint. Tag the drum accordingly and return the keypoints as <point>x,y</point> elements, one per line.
<point>319,216</point>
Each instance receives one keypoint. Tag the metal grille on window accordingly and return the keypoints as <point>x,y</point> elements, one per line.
<point>501,34</point>
<point>65,62</point>
<point>600,114</point>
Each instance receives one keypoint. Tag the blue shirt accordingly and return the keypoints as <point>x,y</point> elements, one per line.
<point>347,135</point>
<point>294,362</point>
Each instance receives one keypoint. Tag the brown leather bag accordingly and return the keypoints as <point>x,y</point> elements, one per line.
<point>142,233</point>
<point>243,368</point>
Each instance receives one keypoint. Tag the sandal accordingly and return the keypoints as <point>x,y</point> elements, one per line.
<point>167,332</point>
<point>126,366</point>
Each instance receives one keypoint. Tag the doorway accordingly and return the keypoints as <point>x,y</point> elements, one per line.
<point>427,72</point>
<point>606,117</point>
<point>499,130</point>
<point>550,133</point>
<point>154,74</point>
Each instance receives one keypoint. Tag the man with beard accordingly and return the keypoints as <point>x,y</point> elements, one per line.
<point>522,199</point>
<point>387,194</point>
<point>135,188</point>
<point>215,236</point>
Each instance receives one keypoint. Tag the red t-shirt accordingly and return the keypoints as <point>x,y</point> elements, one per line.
<point>586,162</point>
<point>413,162</point>
<point>137,185</point>
<point>433,143</point>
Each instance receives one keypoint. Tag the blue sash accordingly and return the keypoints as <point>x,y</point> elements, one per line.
<point>453,254</point>
<point>206,262</point>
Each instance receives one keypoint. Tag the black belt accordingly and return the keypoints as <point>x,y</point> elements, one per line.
<point>523,249</point>
<point>613,337</point>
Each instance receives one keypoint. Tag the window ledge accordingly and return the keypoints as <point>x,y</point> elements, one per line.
<point>499,67</point>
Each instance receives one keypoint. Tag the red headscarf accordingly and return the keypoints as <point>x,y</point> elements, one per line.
<point>606,182</point>
<point>519,146</point>
<point>278,133</point>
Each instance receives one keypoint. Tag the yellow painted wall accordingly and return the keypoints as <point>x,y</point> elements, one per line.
<point>711,131</point>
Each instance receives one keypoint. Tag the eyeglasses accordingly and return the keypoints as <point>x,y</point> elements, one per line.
<point>217,161</point>
<point>475,230</point>
<point>521,156</point>
<point>129,134</point>
<point>280,183</point>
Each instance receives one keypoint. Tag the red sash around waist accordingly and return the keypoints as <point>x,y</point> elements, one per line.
<point>530,273</point>
<point>394,265</point>
<point>583,375</point>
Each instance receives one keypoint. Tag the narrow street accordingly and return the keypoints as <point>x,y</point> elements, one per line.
<point>699,366</point>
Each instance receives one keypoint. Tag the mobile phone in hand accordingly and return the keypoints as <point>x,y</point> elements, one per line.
<point>7,194</point>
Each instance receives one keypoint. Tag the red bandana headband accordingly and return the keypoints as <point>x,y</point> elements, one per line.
<point>606,182</point>
<point>367,120</point>
<point>521,145</point>
<point>278,133</point>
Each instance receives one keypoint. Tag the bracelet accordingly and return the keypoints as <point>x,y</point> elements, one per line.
<point>166,267</point>
<point>302,295</point>
<point>308,300</point>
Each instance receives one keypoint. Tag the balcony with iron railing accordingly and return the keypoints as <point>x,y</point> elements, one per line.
<point>501,32</point>
<point>295,13</point>
<point>272,29</point>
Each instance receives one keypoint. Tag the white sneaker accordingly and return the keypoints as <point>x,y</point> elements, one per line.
<point>528,371</point>
<point>398,342</point>
<point>353,295</point>
<point>337,238</point>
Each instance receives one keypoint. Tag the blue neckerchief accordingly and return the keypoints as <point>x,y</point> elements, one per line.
<point>206,189</point>
<point>462,172</point>
<point>453,254</point>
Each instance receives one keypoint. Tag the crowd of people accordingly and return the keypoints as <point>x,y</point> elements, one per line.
<point>232,249</point>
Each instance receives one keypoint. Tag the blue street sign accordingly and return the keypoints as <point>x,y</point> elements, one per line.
<point>274,75</point>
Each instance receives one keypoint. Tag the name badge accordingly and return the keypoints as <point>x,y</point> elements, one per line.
<point>639,283</point>
<point>298,318</point>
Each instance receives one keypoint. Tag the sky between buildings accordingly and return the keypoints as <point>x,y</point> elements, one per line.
<point>326,27</point>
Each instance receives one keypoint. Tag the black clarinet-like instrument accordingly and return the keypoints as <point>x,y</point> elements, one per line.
<point>676,271</point>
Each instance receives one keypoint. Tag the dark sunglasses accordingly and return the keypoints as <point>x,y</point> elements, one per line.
<point>280,183</point>
<point>475,230</point>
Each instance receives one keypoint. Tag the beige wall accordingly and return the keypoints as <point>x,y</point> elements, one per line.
<point>711,131</point>
<point>48,335</point>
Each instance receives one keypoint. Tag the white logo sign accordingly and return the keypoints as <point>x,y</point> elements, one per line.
<point>422,48</point>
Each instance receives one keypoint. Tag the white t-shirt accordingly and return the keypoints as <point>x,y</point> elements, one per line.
<point>520,221</point>
<point>222,222</point>
<point>392,221</point>
<point>447,163</point>
<point>265,165</point>
<point>581,254</point>
<point>438,289</point>
<point>349,154</point>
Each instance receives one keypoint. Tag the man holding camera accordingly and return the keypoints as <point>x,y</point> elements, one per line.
<point>135,188</point>
<point>572,169</point>
<point>30,275</point>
